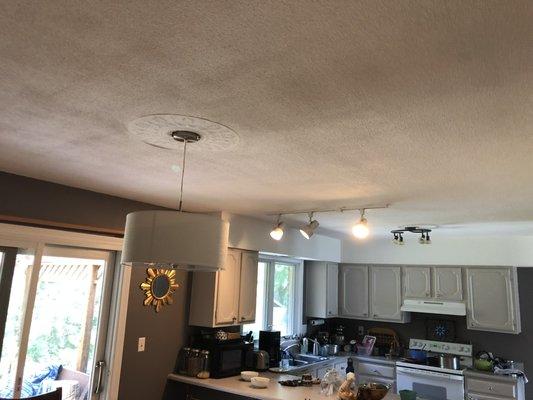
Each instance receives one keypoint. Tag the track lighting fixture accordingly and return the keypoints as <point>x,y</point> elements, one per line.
<point>308,230</point>
<point>277,231</point>
<point>360,230</point>
<point>424,234</point>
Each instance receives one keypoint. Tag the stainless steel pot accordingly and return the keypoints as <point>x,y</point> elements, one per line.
<point>449,361</point>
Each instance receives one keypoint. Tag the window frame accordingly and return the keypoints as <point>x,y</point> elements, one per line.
<point>297,293</point>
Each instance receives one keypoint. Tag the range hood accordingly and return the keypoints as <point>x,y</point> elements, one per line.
<point>434,307</point>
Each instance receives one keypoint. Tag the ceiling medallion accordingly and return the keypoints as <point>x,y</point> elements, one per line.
<point>156,130</point>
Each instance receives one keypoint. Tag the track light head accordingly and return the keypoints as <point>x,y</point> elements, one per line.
<point>309,230</point>
<point>277,231</point>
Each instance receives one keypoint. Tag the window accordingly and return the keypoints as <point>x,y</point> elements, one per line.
<point>279,296</point>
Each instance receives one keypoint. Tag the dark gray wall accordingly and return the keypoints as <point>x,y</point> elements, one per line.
<point>143,374</point>
<point>31,198</point>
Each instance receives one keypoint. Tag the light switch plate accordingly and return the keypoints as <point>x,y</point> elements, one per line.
<point>360,330</point>
<point>141,344</point>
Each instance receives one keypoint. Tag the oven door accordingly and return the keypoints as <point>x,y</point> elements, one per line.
<point>431,385</point>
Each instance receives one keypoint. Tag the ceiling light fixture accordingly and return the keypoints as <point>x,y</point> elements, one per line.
<point>360,230</point>
<point>308,230</point>
<point>277,231</point>
<point>424,234</point>
<point>176,239</point>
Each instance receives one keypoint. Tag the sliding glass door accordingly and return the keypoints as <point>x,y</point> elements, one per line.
<point>55,330</point>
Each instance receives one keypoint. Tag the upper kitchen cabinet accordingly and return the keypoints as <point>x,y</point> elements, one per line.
<point>448,283</point>
<point>321,288</point>
<point>371,292</point>
<point>443,283</point>
<point>417,282</point>
<point>226,297</point>
<point>386,293</point>
<point>492,299</point>
<point>353,291</point>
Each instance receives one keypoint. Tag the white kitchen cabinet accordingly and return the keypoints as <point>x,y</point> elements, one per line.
<point>448,283</point>
<point>248,287</point>
<point>321,288</point>
<point>492,299</point>
<point>483,386</point>
<point>353,291</point>
<point>376,371</point>
<point>442,283</point>
<point>385,293</point>
<point>371,292</point>
<point>417,282</point>
<point>225,297</point>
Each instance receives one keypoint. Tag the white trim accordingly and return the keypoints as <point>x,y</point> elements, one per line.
<point>26,237</point>
<point>117,330</point>
<point>29,237</point>
<point>29,302</point>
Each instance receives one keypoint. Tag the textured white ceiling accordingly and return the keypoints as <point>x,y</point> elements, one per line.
<point>427,105</point>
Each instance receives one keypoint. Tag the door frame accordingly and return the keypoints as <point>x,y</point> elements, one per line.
<point>26,237</point>
<point>7,268</point>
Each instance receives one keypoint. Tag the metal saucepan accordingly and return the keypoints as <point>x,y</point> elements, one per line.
<point>449,361</point>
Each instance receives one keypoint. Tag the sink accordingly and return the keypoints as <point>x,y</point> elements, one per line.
<point>310,359</point>
<point>298,362</point>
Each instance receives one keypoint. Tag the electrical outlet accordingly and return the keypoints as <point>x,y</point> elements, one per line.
<point>361,330</point>
<point>141,344</point>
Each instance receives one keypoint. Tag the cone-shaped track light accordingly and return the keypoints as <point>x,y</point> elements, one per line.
<point>308,230</point>
<point>277,231</point>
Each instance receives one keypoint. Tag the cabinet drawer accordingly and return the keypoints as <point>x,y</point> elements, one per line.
<point>492,388</point>
<point>381,371</point>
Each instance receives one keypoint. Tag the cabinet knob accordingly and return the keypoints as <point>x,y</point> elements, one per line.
<point>242,318</point>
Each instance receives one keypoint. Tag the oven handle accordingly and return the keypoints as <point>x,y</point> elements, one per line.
<point>421,372</point>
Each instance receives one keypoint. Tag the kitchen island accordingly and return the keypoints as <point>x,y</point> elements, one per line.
<point>181,387</point>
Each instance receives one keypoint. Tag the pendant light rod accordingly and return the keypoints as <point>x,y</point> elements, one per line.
<point>182,175</point>
<point>184,137</point>
<point>328,210</point>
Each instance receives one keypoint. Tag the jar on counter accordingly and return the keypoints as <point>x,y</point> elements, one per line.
<point>183,357</point>
<point>204,365</point>
<point>194,363</point>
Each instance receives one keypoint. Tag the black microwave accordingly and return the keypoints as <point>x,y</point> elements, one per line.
<point>226,357</point>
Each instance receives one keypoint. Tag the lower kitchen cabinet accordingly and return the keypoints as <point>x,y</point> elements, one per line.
<point>485,386</point>
<point>376,371</point>
<point>492,299</point>
<point>182,391</point>
<point>371,292</point>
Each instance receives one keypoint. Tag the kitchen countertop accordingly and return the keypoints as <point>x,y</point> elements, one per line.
<point>274,391</point>
<point>343,357</point>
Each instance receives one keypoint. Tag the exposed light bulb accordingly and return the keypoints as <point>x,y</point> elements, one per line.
<point>277,232</point>
<point>360,230</point>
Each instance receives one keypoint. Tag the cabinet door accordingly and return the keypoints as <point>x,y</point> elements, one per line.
<point>448,283</point>
<point>385,293</point>
<point>492,300</point>
<point>332,289</point>
<point>417,282</point>
<point>353,289</point>
<point>227,306</point>
<point>248,287</point>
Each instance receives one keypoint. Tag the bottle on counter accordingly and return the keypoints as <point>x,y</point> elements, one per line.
<point>349,366</point>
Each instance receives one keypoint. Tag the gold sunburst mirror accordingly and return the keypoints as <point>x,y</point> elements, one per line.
<point>159,287</point>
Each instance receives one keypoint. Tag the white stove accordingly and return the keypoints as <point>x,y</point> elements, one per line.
<point>429,380</point>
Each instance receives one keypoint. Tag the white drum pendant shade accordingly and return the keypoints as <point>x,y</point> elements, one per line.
<point>175,239</point>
